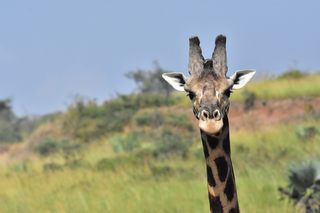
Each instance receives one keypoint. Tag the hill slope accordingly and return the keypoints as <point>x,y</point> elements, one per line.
<point>143,153</point>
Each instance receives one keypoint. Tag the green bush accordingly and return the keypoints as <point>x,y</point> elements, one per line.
<point>9,125</point>
<point>310,202</point>
<point>170,133</point>
<point>8,134</point>
<point>127,143</point>
<point>52,167</point>
<point>179,120</point>
<point>307,133</point>
<point>152,118</point>
<point>249,99</point>
<point>49,146</point>
<point>69,148</point>
<point>77,164</point>
<point>23,166</point>
<point>12,128</point>
<point>169,143</point>
<point>155,100</point>
<point>87,121</point>
<point>156,118</point>
<point>304,186</point>
<point>292,74</point>
<point>106,164</point>
<point>159,171</point>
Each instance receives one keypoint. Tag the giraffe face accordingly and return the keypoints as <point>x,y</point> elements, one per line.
<point>208,87</point>
<point>209,95</point>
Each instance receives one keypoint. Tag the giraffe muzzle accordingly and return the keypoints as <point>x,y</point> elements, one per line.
<point>211,122</point>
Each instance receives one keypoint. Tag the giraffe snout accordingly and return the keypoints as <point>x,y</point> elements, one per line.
<point>206,114</point>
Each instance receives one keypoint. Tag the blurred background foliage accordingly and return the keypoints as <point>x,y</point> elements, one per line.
<point>145,148</point>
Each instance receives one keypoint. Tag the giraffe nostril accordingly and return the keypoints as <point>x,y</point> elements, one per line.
<point>204,114</point>
<point>216,115</point>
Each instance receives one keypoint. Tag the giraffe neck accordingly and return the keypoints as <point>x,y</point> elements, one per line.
<point>221,183</point>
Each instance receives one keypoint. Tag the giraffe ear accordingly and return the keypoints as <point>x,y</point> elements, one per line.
<point>241,78</point>
<point>175,79</point>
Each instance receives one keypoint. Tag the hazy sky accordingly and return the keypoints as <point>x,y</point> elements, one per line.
<point>52,50</point>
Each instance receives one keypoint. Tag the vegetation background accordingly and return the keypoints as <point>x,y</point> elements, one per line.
<point>141,152</point>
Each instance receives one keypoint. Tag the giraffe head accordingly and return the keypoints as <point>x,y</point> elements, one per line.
<point>208,87</point>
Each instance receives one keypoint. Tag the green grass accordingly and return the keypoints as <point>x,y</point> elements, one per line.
<point>257,191</point>
<point>87,191</point>
<point>260,162</point>
<point>282,88</point>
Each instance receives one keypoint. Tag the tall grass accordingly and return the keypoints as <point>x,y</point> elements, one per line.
<point>308,85</point>
<point>150,185</point>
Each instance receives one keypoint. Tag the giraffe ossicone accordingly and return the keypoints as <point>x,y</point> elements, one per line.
<point>209,89</point>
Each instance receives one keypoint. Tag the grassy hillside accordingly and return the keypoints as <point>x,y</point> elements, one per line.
<point>283,87</point>
<point>143,154</point>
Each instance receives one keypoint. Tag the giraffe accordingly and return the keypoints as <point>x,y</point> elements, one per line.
<point>209,90</point>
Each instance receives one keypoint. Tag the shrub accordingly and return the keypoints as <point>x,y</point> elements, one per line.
<point>158,171</point>
<point>170,133</point>
<point>50,146</point>
<point>77,164</point>
<point>249,99</point>
<point>304,186</point>
<point>156,118</point>
<point>292,74</point>
<point>307,133</point>
<point>52,167</point>
<point>69,148</point>
<point>127,142</point>
<point>87,121</point>
<point>8,134</point>
<point>170,143</point>
<point>310,202</point>
<point>178,120</point>
<point>155,100</point>
<point>151,118</point>
<point>106,164</point>
<point>23,166</point>
<point>9,124</point>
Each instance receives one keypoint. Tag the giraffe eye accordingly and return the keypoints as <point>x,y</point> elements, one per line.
<point>191,95</point>
<point>228,92</point>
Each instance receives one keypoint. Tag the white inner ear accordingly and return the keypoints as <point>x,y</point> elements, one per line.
<point>176,80</point>
<point>241,78</point>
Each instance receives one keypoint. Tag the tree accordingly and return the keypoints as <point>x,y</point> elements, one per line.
<point>9,127</point>
<point>150,81</point>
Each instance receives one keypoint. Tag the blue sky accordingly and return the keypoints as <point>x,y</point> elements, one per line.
<point>53,50</point>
